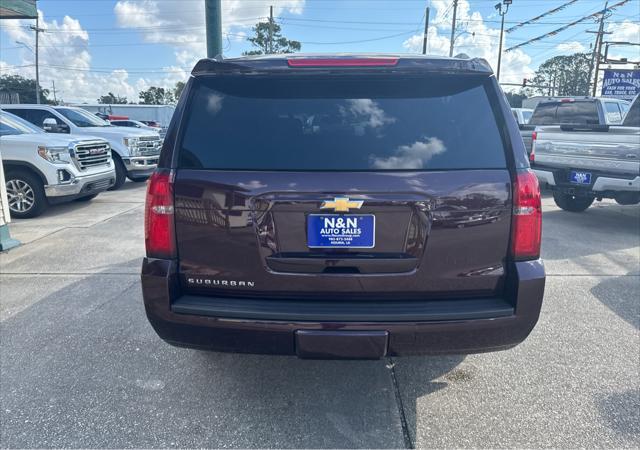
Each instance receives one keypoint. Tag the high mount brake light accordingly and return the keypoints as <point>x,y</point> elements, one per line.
<point>526,226</point>
<point>159,228</point>
<point>342,62</point>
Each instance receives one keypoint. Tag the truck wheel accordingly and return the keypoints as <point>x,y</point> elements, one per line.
<point>25,193</point>
<point>572,203</point>
<point>87,198</point>
<point>121,173</point>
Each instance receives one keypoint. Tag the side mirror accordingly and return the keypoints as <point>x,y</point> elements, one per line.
<point>50,125</point>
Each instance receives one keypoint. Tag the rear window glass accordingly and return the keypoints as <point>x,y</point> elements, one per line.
<point>346,123</point>
<point>632,119</point>
<point>555,113</point>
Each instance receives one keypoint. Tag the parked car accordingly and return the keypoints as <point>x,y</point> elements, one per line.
<point>135,152</point>
<point>522,115</point>
<point>574,110</point>
<point>283,234</point>
<point>585,162</point>
<point>43,169</point>
<point>140,125</point>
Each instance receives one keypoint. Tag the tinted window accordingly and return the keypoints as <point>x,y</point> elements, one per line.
<point>11,124</point>
<point>35,116</point>
<point>526,116</point>
<point>613,112</point>
<point>554,113</point>
<point>82,118</point>
<point>632,119</point>
<point>345,123</point>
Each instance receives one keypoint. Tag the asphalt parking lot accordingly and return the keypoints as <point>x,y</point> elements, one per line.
<point>81,367</point>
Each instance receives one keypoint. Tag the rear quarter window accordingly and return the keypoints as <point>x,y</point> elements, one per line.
<point>555,113</point>
<point>344,123</point>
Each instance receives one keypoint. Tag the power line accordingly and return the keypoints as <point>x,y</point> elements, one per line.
<point>554,32</point>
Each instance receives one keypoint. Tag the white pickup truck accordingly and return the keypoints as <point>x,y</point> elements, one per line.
<point>135,152</point>
<point>585,162</point>
<point>43,169</point>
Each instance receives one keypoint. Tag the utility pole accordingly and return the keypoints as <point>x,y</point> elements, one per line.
<point>213,21</point>
<point>502,12</point>
<point>597,47</point>
<point>38,30</point>
<point>53,85</point>
<point>426,32</point>
<point>453,27</point>
<point>270,29</point>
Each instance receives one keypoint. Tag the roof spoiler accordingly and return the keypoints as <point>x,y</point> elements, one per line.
<point>473,66</point>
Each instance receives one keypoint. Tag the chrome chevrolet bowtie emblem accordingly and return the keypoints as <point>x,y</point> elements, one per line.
<point>342,204</point>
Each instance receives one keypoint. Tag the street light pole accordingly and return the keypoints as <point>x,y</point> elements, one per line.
<point>38,30</point>
<point>502,13</point>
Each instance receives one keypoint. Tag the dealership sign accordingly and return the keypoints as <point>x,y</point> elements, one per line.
<point>621,83</point>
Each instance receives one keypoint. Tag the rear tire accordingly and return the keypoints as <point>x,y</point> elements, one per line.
<point>121,173</point>
<point>87,198</point>
<point>25,192</point>
<point>572,203</point>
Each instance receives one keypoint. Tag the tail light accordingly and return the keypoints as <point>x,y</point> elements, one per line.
<point>532,155</point>
<point>159,228</point>
<point>342,62</point>
<point>526,225</point>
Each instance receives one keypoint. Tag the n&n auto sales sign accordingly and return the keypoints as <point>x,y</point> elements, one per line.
<point>621,83</point>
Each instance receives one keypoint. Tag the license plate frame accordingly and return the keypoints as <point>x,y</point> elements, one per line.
<point>366,223</point>
<point>580,177</point>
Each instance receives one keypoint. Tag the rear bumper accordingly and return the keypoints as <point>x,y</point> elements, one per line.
<point>335,329</point>
<point>601,183</point>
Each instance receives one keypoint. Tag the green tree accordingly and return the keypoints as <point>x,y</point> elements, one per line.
<point>156,96</point>
<point>25,87</point>
<point>277,43</point>
<point>112,99</point>
<point>568,73</point>
<point>515,99</point>
<point>177,91</point>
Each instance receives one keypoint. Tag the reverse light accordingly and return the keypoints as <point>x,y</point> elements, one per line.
<point>159,228</point>
<point>532,155</point>
<point>526,224</point>
<point>342,62</point>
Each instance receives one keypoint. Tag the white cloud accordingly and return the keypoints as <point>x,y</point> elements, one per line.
<point>181,24</point>
<point>412,156</point>
<point>571,47</point>
<point>473,38</point>
<point>63,46</point>
<point>626,31</point>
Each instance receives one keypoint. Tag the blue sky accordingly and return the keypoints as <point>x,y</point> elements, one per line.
<point>96,46</point>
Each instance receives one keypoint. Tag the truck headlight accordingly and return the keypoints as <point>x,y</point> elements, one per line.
<point>132,144</point>
<point>56,155</point>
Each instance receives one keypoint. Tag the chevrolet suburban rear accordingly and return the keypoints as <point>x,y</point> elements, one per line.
<point>343,206</point>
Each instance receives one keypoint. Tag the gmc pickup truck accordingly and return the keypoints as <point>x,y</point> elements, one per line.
<point>573,110</point>
<point>583,163</point>
<point>365,205</point>
<point>135,152</point>
<point>43,169</point>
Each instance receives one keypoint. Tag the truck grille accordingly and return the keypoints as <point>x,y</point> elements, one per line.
<point>149,145</point>
<point>92,154</point>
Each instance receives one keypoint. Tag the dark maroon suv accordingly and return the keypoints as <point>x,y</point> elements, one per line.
<point>343,207</point>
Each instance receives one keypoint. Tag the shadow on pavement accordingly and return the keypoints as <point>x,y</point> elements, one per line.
<point>622,296</point>
<point>422,376</point>
<point>572,235</point>
<point>621,412</point>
